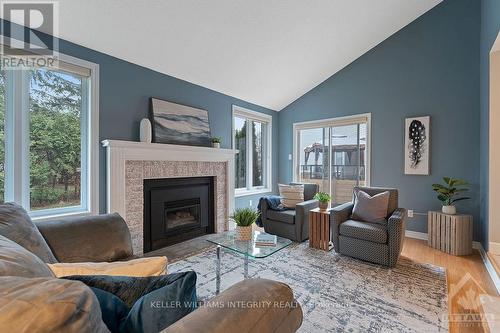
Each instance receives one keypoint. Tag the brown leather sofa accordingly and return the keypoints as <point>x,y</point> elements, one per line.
<point>107,238</point>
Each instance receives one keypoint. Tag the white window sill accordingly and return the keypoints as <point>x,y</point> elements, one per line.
<point>55,217</point>
<point>244,192</point>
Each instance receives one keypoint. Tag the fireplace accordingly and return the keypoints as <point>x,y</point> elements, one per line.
<point>177,209</point>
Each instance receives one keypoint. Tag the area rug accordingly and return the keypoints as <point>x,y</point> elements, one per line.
<point>338,293</point>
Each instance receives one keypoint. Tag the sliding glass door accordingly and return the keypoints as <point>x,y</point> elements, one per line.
<point>334,154</point>
<point>312,158</point>
<point>348,146</point>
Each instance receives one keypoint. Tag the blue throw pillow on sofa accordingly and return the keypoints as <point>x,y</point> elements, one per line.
<point>155,302</point>
<point>113,309</point>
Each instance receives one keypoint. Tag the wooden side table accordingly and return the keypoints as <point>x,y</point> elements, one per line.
<point>450,233</point>
<point>319,229</point>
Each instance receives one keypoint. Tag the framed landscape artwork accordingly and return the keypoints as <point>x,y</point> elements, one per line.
<point>179,124</point>
<point>417,146</point>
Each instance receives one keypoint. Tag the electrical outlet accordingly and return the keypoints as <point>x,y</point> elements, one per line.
<point>289,157</point>
<point>250,203</point>
<point>410,212</point>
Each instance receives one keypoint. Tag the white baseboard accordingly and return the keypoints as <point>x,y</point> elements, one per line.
<point>475,245</point>
<point>494,247</point>
<point>489,267</point>
<point>416,235</point>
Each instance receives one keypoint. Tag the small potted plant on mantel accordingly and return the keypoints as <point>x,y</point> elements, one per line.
<point>448,193</point>
<point>216,142</point>
<point>324,200</point>
<point>244,218</point>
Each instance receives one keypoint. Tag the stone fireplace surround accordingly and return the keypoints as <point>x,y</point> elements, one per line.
<point>129,163</point>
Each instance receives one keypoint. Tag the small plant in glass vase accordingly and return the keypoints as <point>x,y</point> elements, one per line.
<point>449,193</point>
<point>244,218</point>
<point>324,200</point>
<point>216,142</point>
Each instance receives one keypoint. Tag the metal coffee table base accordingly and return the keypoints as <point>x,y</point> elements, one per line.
<point>217,270</point>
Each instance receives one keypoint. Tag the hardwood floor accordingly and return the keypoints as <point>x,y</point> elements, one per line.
<point>467,278</point>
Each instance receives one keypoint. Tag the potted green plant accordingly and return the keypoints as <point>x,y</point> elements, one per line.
<point>324,200</point>
<point>244,218</point>
<point>216,142</point>
<point>448,193</point>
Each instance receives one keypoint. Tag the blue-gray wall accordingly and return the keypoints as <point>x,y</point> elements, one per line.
<point>124,92</point>
<point>430,67</point>
<point>490,25</point>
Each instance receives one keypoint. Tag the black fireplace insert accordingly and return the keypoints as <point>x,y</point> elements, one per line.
<point>177,209</point>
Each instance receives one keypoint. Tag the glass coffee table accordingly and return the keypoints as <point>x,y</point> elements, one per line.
<point>248,249</point>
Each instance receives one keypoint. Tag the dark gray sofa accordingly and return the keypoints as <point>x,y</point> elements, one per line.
<point>291,224</point>
<point>374,242</point>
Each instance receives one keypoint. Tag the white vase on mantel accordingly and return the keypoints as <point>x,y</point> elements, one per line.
<point>145,133</point>
<point>451,210</point>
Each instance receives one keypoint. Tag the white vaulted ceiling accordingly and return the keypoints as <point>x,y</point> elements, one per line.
<point>268,52</point>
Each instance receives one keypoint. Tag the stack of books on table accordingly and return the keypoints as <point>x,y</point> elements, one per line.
<point>265,240</point>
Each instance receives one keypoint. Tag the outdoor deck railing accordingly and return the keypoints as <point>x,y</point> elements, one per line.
<point>340,172</point>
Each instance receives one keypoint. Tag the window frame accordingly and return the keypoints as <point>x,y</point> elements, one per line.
<point>17,127</point>
<point>266,120</point>
<point>332,122</point>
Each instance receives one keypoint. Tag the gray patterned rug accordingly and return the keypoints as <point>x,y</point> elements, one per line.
<point>337,293</point>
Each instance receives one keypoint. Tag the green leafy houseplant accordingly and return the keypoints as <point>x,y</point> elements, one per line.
<point>244,218</point>
<point>216,142</point>
<point>324,199</point>
<point>449,193</point>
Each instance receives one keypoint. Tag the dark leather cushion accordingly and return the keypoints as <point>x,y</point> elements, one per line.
<point>16,225</point>
<point>15,260</point>
<point>93,238</point>
<point>372,232</point>
<point>285,216</point>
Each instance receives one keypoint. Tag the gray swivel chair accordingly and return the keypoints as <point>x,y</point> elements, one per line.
<point>292,223</point>
<point>374,242</point>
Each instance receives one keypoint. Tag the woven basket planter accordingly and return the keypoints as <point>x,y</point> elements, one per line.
<point>244,233</point>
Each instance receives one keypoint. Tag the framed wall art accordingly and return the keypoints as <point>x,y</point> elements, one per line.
<point>179,124</point>
<point>417,146</point>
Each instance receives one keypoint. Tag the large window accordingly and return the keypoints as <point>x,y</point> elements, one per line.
<point>252,138</point>
<point>333,153</point>
<point>48,146</point>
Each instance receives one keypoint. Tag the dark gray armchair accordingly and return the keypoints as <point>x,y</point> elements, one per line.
<point>374,242</point>
<point>291,224</point>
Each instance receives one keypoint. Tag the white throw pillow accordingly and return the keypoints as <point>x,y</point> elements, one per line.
<point>142,267</point>
<point>291,195</point>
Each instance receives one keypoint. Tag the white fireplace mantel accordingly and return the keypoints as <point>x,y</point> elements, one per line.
<point>119,151</point>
